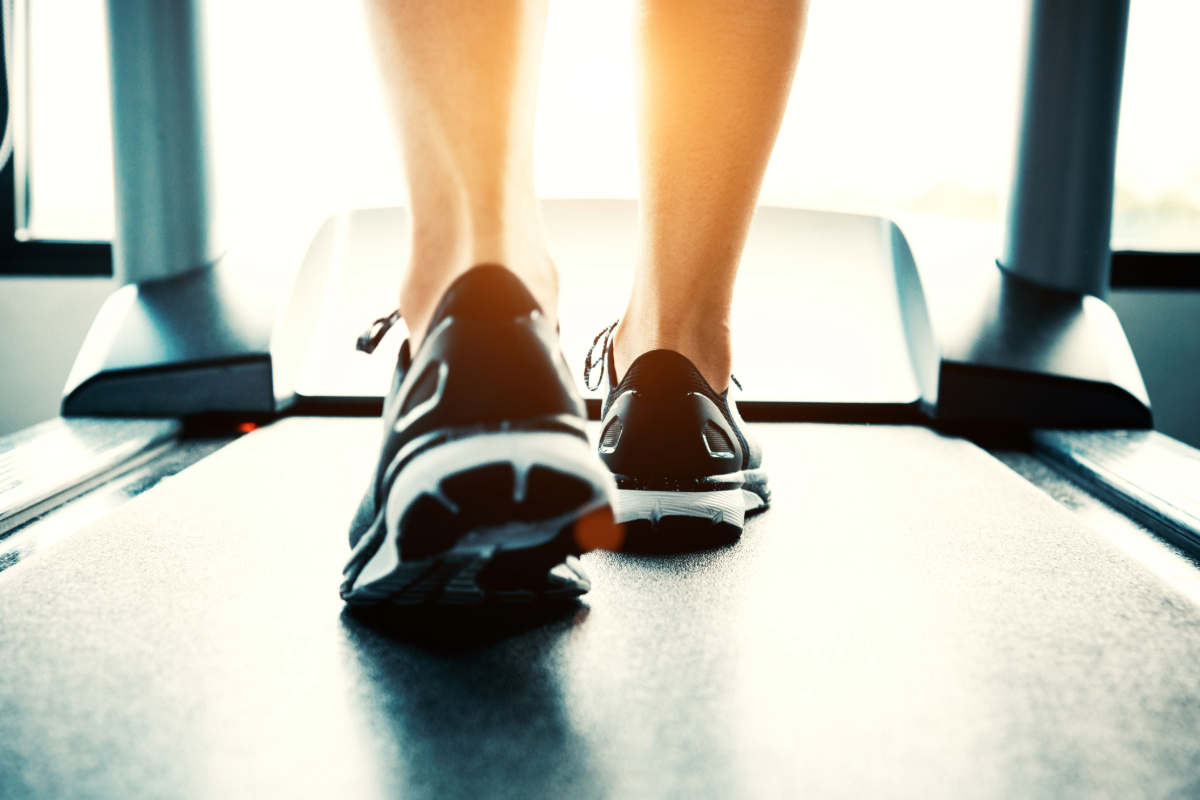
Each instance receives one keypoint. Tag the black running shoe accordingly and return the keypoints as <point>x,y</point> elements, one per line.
<point>487,488</point>
<point>686,469</point>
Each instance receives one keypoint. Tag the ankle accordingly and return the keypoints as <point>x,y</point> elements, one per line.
<point>432,269</point>
<point>707,344</point>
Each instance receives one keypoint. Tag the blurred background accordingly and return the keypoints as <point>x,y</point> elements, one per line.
<point>896,106</point>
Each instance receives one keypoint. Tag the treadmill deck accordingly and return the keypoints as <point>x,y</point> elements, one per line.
<point>910,618</point>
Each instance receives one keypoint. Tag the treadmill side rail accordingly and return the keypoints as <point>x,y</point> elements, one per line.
<point>48,464</point>
<point>1151,477</point>
<point>924,351</point>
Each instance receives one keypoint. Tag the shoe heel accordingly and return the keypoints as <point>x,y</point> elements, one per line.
<point>515,505</point>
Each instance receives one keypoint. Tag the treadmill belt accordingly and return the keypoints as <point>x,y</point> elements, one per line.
<point>910,618</point>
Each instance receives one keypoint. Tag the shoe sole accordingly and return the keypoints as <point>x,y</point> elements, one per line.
<point>741,493</point>
<point>507,512</point>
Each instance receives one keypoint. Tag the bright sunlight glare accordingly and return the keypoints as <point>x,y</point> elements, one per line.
<point>895,106</point>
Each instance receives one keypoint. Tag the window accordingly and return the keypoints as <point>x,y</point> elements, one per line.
<point>896,105</point>
<point>1158,156</point>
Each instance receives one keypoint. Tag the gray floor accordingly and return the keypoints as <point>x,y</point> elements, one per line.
<point>910,619</point>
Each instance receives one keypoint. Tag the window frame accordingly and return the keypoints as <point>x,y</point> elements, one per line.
<point>39,258</point>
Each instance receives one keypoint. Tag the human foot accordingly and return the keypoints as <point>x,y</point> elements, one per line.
<point>486,489</point>
<point>706,343</point>
<point>427,281</point>
<point>687,470</point>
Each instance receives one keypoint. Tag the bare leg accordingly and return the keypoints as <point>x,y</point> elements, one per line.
<point>461,79</point>
<point>715,76</point>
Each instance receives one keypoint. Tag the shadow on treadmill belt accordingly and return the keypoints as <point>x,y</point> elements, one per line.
<point>459,628</point>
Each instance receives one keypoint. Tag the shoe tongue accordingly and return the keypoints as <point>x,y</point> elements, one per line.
<point>664,374</point>
<point>488,292</point>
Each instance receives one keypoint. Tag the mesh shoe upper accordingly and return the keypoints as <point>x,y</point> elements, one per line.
<point>664,421</point>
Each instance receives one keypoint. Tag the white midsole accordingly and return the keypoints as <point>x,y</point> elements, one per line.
<point>522,449</point>
<point>728,505</point>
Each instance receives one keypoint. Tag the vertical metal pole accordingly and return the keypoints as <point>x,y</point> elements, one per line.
<point>161,166</point>
<point>1060,209</point>
<point>18,109</point>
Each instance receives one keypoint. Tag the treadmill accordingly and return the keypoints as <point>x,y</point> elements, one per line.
<point>978,575</point>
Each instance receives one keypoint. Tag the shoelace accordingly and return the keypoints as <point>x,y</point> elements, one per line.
<point>589,363</point>
<point>373,335</point>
